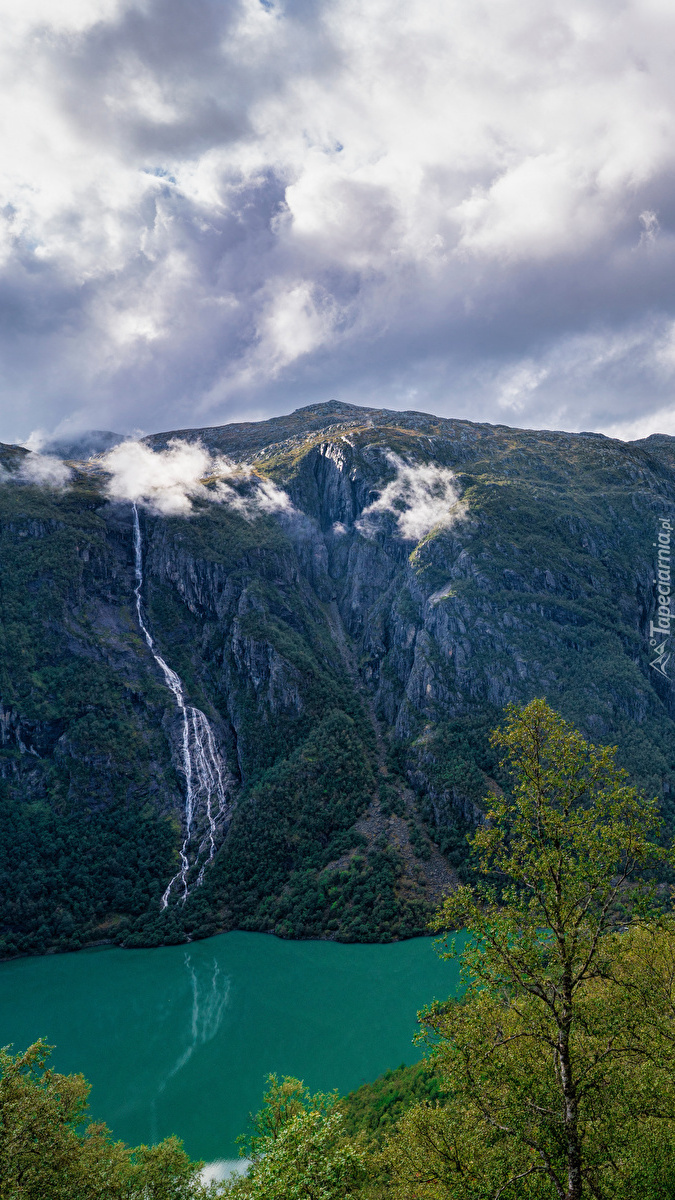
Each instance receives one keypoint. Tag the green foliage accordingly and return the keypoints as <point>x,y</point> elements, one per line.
<point>460,756</point>
<point>458,764</point>
<point>420,847</point>
<point>362,902</point>
<point>374,1110</point>
<point>295,814</point>
<point>309,1160</point>
<point>45,1150</point>
<point>297,819</point>
<point>298,1148</point>
<point>391,800</point>
<point>218,534</point>
<point>557,1060</point>
<point>83,847</point>
<point>282,1101</point>
<point>73,873</point>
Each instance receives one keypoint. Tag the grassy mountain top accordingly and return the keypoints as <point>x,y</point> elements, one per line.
<point>302,634</point>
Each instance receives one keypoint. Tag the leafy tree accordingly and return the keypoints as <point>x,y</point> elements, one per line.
<point>373,1110</point>
<point>310,1159</point>
<point>299,1148</point>
<point>282,1101</point>
<point>558,1058</point>
<point>164,1172</point>
<point>45,1151</point>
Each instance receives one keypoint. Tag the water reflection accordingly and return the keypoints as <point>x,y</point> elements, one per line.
<point>180,1039</point>
<point>210,996</point>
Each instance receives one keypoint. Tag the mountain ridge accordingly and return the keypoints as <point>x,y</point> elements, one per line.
<point>428,571</point>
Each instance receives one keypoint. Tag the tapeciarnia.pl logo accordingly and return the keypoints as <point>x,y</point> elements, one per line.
<point>659,630</point>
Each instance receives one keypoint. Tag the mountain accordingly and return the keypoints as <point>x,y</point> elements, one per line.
<point>347,617</point>
<point>82,445</point>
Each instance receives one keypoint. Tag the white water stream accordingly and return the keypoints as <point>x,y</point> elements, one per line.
<point>207,807</point>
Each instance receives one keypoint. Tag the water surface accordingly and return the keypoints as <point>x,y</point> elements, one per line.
<point>179,1039</point>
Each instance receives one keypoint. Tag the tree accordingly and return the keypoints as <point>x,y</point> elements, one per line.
<point>557,1059</point>
<point>282,1101</point>
<point>299,1148</point>
<point>46,1152</point>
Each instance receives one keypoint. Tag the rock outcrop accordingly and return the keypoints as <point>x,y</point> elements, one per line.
<point>428,573</point>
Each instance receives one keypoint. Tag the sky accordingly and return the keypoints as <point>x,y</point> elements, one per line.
<point>217,210</point>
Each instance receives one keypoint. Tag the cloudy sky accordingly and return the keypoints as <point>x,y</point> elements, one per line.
<point>219,210</point>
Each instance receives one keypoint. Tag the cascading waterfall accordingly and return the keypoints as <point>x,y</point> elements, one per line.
<point>206,798</point>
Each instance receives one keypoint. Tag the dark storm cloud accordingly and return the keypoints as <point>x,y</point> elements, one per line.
<point>219,209</point>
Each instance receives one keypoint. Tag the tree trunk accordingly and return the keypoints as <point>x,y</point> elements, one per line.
<point>574,1177</point>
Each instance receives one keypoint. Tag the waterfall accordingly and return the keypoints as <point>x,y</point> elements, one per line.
<point>206,799</point>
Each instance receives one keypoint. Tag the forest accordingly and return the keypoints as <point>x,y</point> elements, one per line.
<point>550,1074</point>
<point>350,678</point>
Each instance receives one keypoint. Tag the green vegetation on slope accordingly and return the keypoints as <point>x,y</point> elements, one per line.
<point>559,584</point>
<point>544,586</point>
<point>375,1109</point>
<point>557,1060</point>
<point>273,872</point>
<point>90,807</point>
<point>552,1077</point>
<point>84,845</point>
<point>553,1074</point>
<point>70,875</point>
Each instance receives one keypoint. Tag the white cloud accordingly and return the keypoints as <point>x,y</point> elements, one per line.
<point>44,470</point>
<point>75,16</point>
<point>211,205</point>
<point>293,326</point>
<point>168,481</point>
<point>517,383</point>
<point>420,497</point>
<point>36,440</point>
<point>650,224</point>
<point>268,498</point>
<point>662,421</point>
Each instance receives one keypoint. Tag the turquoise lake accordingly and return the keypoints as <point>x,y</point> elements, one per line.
<point>179,1039</point>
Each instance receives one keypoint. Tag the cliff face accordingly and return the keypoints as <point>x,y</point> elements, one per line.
<point>351,655</point>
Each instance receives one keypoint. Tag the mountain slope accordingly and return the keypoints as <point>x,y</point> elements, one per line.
<point>350,653</point>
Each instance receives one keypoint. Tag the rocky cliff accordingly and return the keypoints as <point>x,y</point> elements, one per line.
<point>351,651</point>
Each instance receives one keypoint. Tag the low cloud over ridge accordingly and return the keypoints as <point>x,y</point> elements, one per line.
<point>420,497</point>
<point>169,481</point>
<point>221,210</point>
